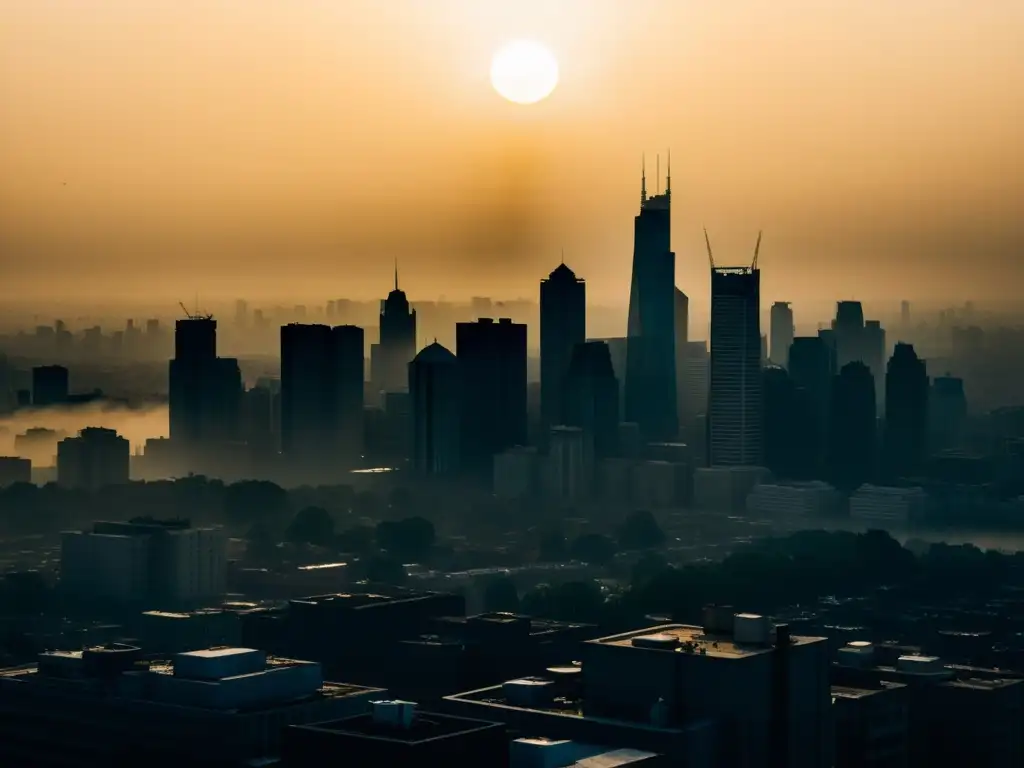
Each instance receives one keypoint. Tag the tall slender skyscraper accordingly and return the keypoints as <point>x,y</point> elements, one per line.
<point>563,325</point>
<point>651,397</point>
<point>782,332</point>
<point>735,402</point>
<point>397,341</point>
<point>492,364</point>
<point>906,412</point>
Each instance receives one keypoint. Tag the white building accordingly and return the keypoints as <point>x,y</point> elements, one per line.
<point>786,500</point>
<point>144,561</point>
<point>879,504</point>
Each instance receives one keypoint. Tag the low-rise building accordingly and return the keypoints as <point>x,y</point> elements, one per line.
<point>109,706</point>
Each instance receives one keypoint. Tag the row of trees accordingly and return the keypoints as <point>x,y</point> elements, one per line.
<point>772,574</point>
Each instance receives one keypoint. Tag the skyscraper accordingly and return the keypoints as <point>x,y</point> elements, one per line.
<point>492,363</point>
<point>563,325</point>
<point>651,396</point>
<point>852,437</point>
<point>322,394</point>
<point>591,398</point>
<point>397,341</point>
<point>205,391</point>
<point>436,392</point>
<point>782,332</point>
<point>812,367</point>
<point>734,413</point>
<point>682,319</point>
<point>95,459</point>
<point>906,412</point>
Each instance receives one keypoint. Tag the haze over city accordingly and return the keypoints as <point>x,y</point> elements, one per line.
<point>511,383</point>
<point>268,150</point>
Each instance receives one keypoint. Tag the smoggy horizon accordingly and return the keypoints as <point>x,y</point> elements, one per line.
<point>155,151</point>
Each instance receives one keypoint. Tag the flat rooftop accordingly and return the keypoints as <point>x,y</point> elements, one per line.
<point>425,727</point>
<point>355,600</point>
<point>852,692</point>
<point>693,639</point>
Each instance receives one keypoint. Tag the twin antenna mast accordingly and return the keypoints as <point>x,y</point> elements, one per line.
<point>711,258</point>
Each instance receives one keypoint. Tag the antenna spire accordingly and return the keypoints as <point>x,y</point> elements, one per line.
<point>668,177</point>
<point>657,163</point>
<point>643,179</point>
<point>396,273</point>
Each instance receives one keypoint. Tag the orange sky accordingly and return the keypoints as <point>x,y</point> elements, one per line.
<point>266,148</point>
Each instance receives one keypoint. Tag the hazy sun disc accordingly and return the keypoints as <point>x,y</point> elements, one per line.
<point>524,71</point>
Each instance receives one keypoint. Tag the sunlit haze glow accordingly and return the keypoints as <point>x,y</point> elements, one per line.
<point>159,149</point>
<point>524,71</point>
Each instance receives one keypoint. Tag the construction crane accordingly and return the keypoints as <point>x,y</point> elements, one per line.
<point>193,315</point>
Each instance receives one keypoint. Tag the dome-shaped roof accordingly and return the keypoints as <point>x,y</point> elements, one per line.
<point>434,353</point>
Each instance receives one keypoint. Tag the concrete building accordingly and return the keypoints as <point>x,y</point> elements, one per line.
<point>97,458</point>
<point>563,325</point>
<point>956,715</point>
<point>14,469</point>
<point>568,469</point>
<point>780,501</point>
<point>144,562</point>
<point>782,332</point>
<point>879,504</point>
<point>214,707</point>
<point>734,692</point>
<point>871,725</point>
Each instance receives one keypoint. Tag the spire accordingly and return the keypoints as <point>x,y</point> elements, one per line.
<point>396,273</point>
<point>657,183</point>
<point>563,254</point>
<point>668,177</point>
<point>643,179</point>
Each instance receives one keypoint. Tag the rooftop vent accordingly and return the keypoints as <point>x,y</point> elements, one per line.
<point>921,665</point>
<point>528,691</point>
<point>661,641</point>
<point>394,712</point>
<point>859,653</point>
<point>750,628</point>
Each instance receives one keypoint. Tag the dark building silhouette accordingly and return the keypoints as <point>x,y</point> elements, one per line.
<point>397,341</point>
<point>492,362</point>
<point>789,426</point>
<point>592,397</point>
<point>906,412</point>
<point>322,394</point>
<point>782,331</point>
<point>95,459</point>
<point>812,367</point>
<point>947,406</point>
<point>258,427</point>
<point>860,340</point>
<point>563,325</point>
<point>874,357</point>
<point>436,392</point>
<point>651,396</point>
<point>735,400</point>
<point>14,469</point>
<point>852,433</point>
<point>205,391</point>
<point>49,385</point>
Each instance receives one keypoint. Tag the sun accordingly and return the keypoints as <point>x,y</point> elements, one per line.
<point>524,71</point>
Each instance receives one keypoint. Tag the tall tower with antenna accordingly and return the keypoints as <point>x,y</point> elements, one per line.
<point>397,342</point>
<point>650,386</point>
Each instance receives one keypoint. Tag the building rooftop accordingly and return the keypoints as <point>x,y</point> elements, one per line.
<point>425,727</point>
<point>683,638</point>
<point>854,692</point>
<point>357,600</point>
